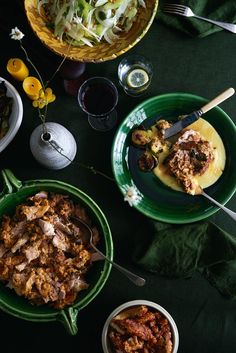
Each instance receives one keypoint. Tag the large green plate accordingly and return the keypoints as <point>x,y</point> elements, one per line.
<point>155,199</point>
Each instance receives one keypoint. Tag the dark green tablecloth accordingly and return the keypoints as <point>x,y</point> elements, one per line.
<point>205,67</point>
<point>178,251</point>
<point>217,10</point>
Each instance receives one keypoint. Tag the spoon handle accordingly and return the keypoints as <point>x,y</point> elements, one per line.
<point>137,280</point>
<point>228,211</point>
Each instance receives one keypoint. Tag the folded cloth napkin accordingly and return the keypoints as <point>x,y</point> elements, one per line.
<point>219,10</point>
<point>179,250</point>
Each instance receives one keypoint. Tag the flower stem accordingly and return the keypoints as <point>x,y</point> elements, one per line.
<point>95,171</point>
<point>32,64</point>
<point>91,168</point>
<point>59,66</point>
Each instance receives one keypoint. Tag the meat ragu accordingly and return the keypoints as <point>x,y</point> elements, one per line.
<point>141,330</point>
<point>190,156</point>
<point>41,254</point>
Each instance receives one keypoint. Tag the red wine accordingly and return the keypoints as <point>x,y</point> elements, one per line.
<point>70,70</point>
<point>72,86</point>
<point>98,98</point>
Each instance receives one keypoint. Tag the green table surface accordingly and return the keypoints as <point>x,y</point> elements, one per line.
<point>205,67</point>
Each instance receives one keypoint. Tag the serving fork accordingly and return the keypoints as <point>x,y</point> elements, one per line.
<point>187,12</point>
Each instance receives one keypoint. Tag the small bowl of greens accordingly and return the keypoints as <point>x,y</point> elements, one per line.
<point>11,113</point>
<point>90,31</point>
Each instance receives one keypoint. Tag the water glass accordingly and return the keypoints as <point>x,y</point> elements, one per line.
<point>135,74</point>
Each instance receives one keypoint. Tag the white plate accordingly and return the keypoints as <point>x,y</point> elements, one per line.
<point>15,117</point>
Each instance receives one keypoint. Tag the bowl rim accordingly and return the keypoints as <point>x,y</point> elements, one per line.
<point>175,338</point>
<point>13,128</point>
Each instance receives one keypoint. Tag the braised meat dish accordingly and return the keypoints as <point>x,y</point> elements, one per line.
<point>42,255</point>
<point>141,330</point>
<point>191,155</point>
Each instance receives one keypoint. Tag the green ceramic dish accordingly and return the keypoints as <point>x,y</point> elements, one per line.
<point>155,199</point>
<point>16,192</point>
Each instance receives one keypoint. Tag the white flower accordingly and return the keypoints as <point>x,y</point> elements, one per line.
<point>16,34</point>
<point>131,196</point>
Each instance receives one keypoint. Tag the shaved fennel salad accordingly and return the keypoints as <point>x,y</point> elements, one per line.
<point>87,22</point>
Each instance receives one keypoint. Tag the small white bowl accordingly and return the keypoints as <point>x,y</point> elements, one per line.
<point>15,117</point>
<point>175,335</point>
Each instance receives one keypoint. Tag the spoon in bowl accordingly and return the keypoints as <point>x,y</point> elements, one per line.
<point>88,238</point>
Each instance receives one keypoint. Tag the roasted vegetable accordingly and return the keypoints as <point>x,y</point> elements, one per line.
<point>147,161</point>
<point>5,109</point>
<point>162,124</point>
<point>141,137</point>
<point>156,146</point>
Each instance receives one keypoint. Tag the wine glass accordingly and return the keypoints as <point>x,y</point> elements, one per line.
<point>98,97</point>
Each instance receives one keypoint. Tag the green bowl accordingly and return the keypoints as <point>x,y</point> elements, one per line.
<point>16,192</point>
<point>156,200</point>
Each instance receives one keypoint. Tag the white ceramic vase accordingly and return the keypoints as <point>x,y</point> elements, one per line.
<point>53,147</point>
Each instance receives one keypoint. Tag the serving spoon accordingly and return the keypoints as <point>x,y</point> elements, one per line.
<point>88,238</point>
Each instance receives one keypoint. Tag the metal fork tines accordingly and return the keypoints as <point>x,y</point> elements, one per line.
<point>186,11</point>
<point>176,9</point>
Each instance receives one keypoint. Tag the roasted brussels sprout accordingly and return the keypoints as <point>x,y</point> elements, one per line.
<point>156,146</point>
<point>147,161</point>
<point>141,137</point>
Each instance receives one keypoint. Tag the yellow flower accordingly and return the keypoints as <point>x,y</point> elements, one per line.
<point>44,98</point>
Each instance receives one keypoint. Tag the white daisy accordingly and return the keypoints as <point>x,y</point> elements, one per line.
<point>16,34</point>
<point>131,196</point>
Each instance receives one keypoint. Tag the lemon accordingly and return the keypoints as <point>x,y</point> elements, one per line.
<point>137,78</point>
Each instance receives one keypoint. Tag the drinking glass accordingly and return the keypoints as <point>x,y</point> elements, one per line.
<point>135,74</point>
<point>73,74</point>
<point>98,97</point>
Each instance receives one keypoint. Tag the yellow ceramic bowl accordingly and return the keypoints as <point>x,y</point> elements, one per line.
<point>100,52</point>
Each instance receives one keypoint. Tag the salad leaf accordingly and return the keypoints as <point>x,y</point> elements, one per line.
<point>87,22</point>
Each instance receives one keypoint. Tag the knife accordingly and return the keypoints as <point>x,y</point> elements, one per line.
<point>192,117</point>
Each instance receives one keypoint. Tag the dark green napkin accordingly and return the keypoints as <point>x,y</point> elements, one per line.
<point>219,10</point>
<point>180,250</point>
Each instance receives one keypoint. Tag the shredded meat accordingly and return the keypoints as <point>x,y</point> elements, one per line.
<point>190,156</point>
<point>42,256</point>
<point>140,330</point>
